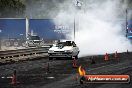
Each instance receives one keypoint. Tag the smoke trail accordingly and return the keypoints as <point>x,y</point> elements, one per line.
<point>98,25</point>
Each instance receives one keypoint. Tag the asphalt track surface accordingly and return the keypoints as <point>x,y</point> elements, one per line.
<point>42,73</point>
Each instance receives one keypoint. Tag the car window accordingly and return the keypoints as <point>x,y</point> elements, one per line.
<point>34,38</point>
<point>73,43</point>
<point>67,43</point>
<point>60,44</point>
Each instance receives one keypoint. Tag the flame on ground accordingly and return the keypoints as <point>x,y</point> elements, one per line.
<point>81,71</point>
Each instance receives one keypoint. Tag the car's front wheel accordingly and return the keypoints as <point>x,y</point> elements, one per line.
<point>50,58</point>
<point>76,57</point>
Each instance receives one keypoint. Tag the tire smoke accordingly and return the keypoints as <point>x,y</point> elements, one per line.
<point>100,25</point>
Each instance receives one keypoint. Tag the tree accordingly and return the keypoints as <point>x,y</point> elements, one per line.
<point>11,8</point>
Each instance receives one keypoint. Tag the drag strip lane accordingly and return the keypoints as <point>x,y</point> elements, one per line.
<point>61,75</point>
<point>108,68</point>
<point>71,82</point>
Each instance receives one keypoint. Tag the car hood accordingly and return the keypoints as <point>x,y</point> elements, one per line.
<point>61,49</point>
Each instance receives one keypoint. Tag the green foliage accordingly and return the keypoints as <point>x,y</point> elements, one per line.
<point>11,8</point>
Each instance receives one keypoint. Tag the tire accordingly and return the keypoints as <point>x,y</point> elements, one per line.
<point>50,58</point>
<point>76,57</point>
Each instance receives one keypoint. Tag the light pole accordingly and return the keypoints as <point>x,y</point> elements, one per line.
<point>78,5</point>
<point>27,27</point>
<point>74,27</point>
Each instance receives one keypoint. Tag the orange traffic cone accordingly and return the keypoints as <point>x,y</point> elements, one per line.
<point>14,79</point>
<point>106,57</point>
<point>75,78</point>
<point>74,63</point>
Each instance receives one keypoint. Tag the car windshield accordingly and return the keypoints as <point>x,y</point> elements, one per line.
<point>34,38</point>
<point>67,43</point>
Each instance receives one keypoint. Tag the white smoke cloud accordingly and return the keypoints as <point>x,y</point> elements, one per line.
<point>98,25</point>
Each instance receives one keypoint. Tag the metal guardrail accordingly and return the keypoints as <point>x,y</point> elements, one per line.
<point>22,54</point>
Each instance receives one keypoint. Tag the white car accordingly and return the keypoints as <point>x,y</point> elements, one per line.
<point>63,49</point>
<point>33,41</point>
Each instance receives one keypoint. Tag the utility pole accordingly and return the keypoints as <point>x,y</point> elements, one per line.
<point>27,27</point>
<point>78,5</point>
